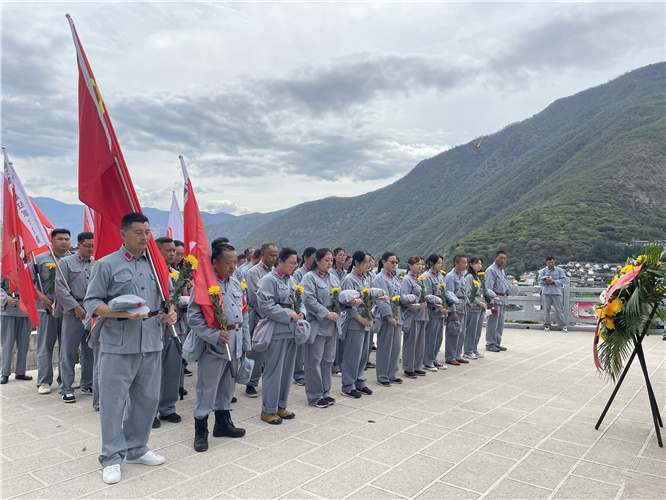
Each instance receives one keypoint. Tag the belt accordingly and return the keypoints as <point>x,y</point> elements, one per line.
<point>287,306</point>
<point>152,314</point>
<point>235,326</point>
<point>503,294</point>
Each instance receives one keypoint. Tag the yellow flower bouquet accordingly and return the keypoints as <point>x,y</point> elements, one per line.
<point>365,295</point>
<point>52,277</point>
<point>394,306</point>
<point>298,300</point>
<point>335,297</point>
<point>182,279</point>
<point>218,310</point>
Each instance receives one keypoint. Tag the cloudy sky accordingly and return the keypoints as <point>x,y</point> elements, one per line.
<point>273,104</point>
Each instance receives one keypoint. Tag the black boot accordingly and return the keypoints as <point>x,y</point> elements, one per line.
<point>225,427</point>
<point>201,434</point>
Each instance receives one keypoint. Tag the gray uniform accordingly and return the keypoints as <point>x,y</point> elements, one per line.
<point>388,337</point>
<point>474,317</point>
<point>215,378</point>
<point>434,333</point>
<point>496,287</point>
<point>319,350</point>
<point>551,294</point>
<point>50,323</point>
<point>241,271</point>
<point>337,275</point>
<point>357,338</point>
<point>129,360</point>
<point>299,365</point>
<point>276,291</point>
<point>76,272</point>
<point>252,280</point>
<point>413,340</point>
<point>16,328</point>
<point>456,290</point>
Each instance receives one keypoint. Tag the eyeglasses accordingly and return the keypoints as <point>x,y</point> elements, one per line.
<point>392,262</point>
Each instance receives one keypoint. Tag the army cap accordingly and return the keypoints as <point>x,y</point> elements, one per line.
<point>130,303</point>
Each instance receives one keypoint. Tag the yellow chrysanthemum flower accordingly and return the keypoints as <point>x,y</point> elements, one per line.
<point>364,291</point>
<point>173,275</point>
<point>641,258</point>
<point>615,306</point>
<point>615,278</point>
<point>397,297</point>
<point>193,261</point>
<point>214,290</point>
<point>602,336</point>
<point>626,269</point>
<point>658,263</point>
<point>421,278</point>
<point>441,285</point>
<point>336,289</point>
<point>50,266</point>
<point>243,285</point>
<point>444,272</point>
<point>481,273</point>
<point>610,325</point>
<point>476,283</point>
<point>299,288</point>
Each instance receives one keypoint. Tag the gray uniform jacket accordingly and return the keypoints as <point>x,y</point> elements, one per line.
<point>338,275</point>
<point>318,301</point>
<point>552,288</point>
<point>77,273</point>
<point>299,274</point>
<point>252,280</point>
<point>232,303</point>
<point>242,270</point>
<point>5,308</point>
<point>38,268</point>
<point>390,283</point>
<point>411,286</point>
<point>116,274</point>
<point>478,297</point>
<point>496,283</point>
<point>355,281</point>
<point>456,289</point>
<point>432,281</point>
<point>274,289</point>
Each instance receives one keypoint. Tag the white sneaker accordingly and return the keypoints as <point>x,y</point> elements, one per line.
<point>430,368</point>
<point>479,354</point>
<point>150,458</point>
<point>470,356</point>
<point>565,329</point>
<point>546,328</point>
<point>44,389</point>
<point>111,474</point>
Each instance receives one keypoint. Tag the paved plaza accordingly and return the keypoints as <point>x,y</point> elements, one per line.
<point>517,424</point>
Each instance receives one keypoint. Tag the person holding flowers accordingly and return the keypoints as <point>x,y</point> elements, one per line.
<point>276,297</point>
<point>434,333</point>
<point>356,330</point>
<point>319,349</point>
<point>475,315</point>
<point>388,337</point>
<point>215,379</point>
<point>307,258</point>
<point>457,296</point>
<point>416,317</point>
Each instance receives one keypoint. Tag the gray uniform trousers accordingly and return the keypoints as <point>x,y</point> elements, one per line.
<point>339,354</point>
<point>455,334</point>
<point>413,345</point>
<point>71,340</point>
<point>279,361</point>
<point>495,326</point>
<point>318,358</point>
<point>48,331</point>
<point>170,379</point>
<point>126,421</point>
<point>299,365</point>
<point>434,336</point>
<point>473,332</point>
<point>215,385</point>
<point>388,352</point>
<point>557,301</point>
<point>258,357</point>
<point>15,329</point>
<point>354,358</point>
<point>95,386</point>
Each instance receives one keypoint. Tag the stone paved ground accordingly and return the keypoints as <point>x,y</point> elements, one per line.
<point>518,424</point>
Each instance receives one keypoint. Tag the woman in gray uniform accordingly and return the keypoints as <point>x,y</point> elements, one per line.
<point>306,263</point>
<point>275,299</point>
<point>319,350</point>
<point>476,313</point>
<point>416,317</point>
<point>338,273</point>
<point>356,331</point>
<point>388,337</point>
<point>434,333</point>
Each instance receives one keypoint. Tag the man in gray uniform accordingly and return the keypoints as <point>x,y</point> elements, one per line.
<point>269,253</point>
<point>130,345</point>
<point>457,296</point>
<point>242,270</point>
<point>496,290</point>
<point>171,358</point>
<point>76,273</point>
<point>552,279</point>
<point>50,326</point>
<point>215,377</point>
<point>16,328</point>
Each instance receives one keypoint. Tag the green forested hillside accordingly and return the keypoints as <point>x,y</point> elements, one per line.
<point>583,176</point>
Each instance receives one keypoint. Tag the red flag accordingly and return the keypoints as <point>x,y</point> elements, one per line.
<point>14,233</point>
<point>104,181</point>
<point>88,219</point>
<point>196,244</point>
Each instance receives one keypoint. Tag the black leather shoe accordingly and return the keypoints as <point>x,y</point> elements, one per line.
<point>366,390</point>
<point>156,423</point>
<point>234,400</point>
<point>4,379</point>
<point>182,392</point>
<point>23,377</point>
<point>174,418</point>
<point>201,434</point>
<point>225,427</point>
<point>410,374</point>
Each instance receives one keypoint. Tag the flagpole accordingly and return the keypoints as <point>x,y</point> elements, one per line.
<point>176,339</point>
<point>55,261</point>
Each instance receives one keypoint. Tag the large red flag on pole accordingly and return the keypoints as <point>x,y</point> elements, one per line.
<point>196,244</point>
<point>104,181</point>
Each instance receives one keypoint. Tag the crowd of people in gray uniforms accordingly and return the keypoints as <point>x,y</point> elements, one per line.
<point>318,316</point>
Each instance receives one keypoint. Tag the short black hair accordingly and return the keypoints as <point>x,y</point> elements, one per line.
<point>458,258</point>
<point>179,243</point>
<point>85,235</point>
<point>499,252</point>
<point>219,241</point>
<point>162,240</point>
<point>266,246</point>
<point>131,218</point>
<point>219,249</point>
<point>285,253</point>
<point>60,230</point>
<point>549,258</point>
<point>257,253</point>
<point>248,252</point>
